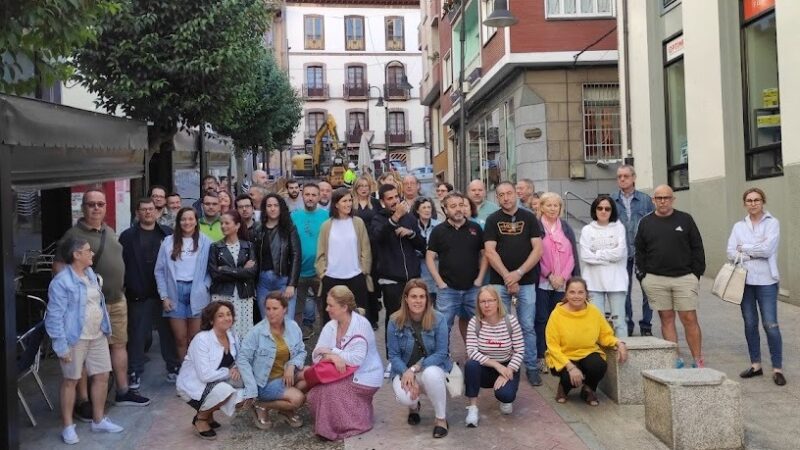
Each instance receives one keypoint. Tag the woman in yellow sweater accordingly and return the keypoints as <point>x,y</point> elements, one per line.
<point>575,332</point>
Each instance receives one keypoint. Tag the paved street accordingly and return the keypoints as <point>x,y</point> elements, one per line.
<point>538,422</point>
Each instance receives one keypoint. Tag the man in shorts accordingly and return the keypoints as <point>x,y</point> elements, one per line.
<point>108,263</point>
<point>669,263</point>
<point>458,244</point>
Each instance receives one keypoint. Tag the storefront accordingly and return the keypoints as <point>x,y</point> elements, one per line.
<point>50,148</point>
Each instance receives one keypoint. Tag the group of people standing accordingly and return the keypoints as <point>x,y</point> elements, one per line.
<point>235,284</point>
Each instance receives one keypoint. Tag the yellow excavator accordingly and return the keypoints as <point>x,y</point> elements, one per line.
<point>327,165</point>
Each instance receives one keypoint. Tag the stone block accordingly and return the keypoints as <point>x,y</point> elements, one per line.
<point>693,408</point>
<point>623,382</point>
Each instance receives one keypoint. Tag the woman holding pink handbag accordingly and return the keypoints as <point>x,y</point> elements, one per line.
<point>343,408</point>
<point>756,238</point>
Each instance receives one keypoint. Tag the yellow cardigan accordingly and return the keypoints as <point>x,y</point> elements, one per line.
<point>575,335</point>
<point>364,250</point>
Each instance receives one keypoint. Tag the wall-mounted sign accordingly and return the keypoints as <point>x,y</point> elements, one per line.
<point>533,133</point>
<point>753,8</point>
<point>674,48</point>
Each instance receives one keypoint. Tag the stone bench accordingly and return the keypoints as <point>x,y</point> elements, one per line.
<point>693,408</point>
<point>623,382</point>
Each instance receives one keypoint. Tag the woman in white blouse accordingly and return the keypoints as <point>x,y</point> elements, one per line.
<point>343,408</point>
<point>756,239</point>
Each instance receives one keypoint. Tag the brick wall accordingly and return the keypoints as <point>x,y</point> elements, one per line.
<point>493,51</point>
<point>534,33</point>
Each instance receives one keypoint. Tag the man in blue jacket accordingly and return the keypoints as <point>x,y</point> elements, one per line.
<point>396,234</point>
<point>140,245</point>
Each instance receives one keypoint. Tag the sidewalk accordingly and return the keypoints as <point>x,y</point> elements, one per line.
<point>771,420</point>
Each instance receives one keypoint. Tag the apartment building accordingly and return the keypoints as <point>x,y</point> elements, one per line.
<point>345,55</point>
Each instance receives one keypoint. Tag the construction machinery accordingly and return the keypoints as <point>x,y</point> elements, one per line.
<point>326,161</point>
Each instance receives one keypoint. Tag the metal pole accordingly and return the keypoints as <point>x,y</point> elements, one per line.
<point>9,417</point>
<point>460,156</point>
<point>202,155</point>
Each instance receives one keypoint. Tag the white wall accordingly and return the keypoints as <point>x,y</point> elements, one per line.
<point>334,58</point>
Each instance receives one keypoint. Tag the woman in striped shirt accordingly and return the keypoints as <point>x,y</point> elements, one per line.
<point>494,354</point>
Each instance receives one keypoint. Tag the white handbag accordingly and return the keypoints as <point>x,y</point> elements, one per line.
<point>455,381</point>
<point>729,283</point>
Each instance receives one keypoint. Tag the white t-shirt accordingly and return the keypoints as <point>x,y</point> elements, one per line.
<point>93,315</point>
<point>343,250</point>
<point>185,265</point>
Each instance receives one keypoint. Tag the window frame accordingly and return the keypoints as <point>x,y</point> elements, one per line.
<point>447,67</point>
<point>667,120</point>
<point>577,15</point>
<point>749,150</point>
<point>321,19</point>
<point>487,33</point>
<point>361,40</point>
<point>324,112</point>
<point>395,38</point>
<point>585,115</point>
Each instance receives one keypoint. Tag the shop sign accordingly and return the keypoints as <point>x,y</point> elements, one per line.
<point>753,8</point>
<point>675,48</point>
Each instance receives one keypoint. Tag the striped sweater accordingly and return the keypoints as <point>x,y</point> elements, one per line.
<point>495,343</point>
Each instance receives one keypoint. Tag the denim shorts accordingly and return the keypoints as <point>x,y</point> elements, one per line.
<point>182,306</point>
<point>273,390</point>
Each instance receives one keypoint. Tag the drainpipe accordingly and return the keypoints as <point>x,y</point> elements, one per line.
<point>626,62</point>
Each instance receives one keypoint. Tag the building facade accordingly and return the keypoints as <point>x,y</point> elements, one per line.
<point>542,96</point>
<point>710,84</point>
<point>342,56</point>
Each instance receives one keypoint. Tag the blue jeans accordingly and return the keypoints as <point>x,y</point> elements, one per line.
<point>451,302</point>
<point>269,281</point>
<point>309,302</point>
<point>765,299</point>
<point>546,301</point>
<point>526,311</point>
<point>615,310</point>
<point>647,313</point>
<point>477,376</point>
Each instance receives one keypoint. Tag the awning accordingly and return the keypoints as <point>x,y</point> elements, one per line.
<point>218,150</point>
<point>50,145</point>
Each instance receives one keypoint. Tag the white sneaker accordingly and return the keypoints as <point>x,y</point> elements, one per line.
<point>472,416</point>
<point>388,372</point>
<point>69,436</point>
<point>106,426</point>
<point>506,408</point>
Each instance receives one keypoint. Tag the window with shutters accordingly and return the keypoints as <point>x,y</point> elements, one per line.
<point>395,34</point>
<point>314,32</point>
<point>354,32</point>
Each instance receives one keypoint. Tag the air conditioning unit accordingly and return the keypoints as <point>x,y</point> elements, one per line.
<point>467,86</point>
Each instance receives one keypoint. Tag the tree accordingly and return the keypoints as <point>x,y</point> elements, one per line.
<point>174,61</point>
<point>37,35</point>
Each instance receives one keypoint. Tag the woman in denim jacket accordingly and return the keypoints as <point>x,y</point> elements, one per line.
<point>78,325</point>
<point>418,351</point>
<point>271,361</point>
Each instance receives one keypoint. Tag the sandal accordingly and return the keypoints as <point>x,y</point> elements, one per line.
<point>561,396</point>
<point>440,432</point>
<point>261,424</point>
<point>207,434</point>
<point>213,423</point>
<point>293,421</point>
<point>588,395</point>
<point>413,415</point>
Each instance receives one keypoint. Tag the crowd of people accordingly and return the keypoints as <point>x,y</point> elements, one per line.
<point>237,286</point>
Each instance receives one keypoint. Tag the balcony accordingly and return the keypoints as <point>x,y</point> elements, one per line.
<point>354,136</point>
<point>396,43</point>
<point>395,91</point>
<point>355,92</point>
<point>316,92</point>
<point>399,138</point>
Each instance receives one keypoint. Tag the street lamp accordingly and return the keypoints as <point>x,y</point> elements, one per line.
<point>501,17</point>
<point>380,103</point>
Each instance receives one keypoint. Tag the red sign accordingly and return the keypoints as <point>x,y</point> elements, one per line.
<point>753,8</point>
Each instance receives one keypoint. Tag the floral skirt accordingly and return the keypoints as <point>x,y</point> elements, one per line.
<point>341,409</point>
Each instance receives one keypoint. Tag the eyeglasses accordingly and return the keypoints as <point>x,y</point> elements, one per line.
<point>84,250</point>
<point>753,201</point>
<point>487,301</point>
<point>663,199</point>
<point>95,204</point>
<point>603,208</point>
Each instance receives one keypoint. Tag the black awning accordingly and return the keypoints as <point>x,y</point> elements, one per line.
<point>218,149</point>
<point>50,145</point>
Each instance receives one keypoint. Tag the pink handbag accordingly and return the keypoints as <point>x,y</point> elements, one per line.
<point>325,372</point>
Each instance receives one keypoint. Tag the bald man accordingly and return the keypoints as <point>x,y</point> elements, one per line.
<point>476,191</point>
<point>669,263</point>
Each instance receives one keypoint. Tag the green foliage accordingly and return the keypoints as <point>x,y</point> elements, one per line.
<point>266,111</point>
<point>40,33</point>
<point>170,61</point>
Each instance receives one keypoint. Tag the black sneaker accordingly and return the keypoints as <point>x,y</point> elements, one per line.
<point>131,398</point>
<point>134,381</point>
<point>83,411</point>
<point>533,377</point>
<point>646,332</point>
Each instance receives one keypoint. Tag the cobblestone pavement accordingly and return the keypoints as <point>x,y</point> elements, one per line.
<point>771,421</point>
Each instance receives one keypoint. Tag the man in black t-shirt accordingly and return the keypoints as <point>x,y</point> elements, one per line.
<point>458,244</point>
<point>513,245</point>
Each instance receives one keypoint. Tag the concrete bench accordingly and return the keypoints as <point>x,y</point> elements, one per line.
<point>693,408</point>
<point>623,382</point>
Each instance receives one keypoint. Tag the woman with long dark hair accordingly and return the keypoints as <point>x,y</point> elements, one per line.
<point>277,247</point>
<point>344,255</point>
<point>233,270</point>
<point>182,278</point>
